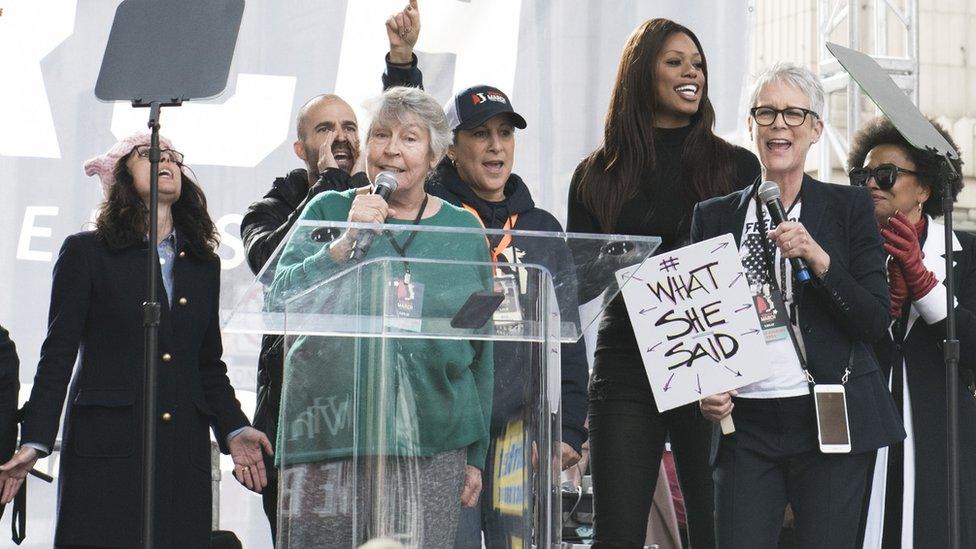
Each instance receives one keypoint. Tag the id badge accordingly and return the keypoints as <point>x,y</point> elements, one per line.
<point>772,314</point>
<point>833,429</point>
<point>510,311</point>
<point>404,305</point>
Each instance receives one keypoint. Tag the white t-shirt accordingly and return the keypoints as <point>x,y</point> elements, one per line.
<point>788,379</point>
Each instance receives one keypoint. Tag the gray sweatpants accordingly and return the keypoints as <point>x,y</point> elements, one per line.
<point>415,501</point>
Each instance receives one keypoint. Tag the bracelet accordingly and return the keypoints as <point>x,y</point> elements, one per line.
<point>400,65</point>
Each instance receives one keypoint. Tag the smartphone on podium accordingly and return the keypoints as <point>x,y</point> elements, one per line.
<point>833,429</point>
<point>477,310</point>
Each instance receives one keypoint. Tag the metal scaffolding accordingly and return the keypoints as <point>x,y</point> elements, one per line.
<point>890,35</point>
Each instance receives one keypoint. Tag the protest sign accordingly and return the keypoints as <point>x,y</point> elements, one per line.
<point>695,322</point>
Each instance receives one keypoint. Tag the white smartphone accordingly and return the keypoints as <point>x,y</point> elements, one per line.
<point>833,429</point>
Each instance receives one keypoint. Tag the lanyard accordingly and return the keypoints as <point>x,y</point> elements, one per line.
<point>769,254</point>
<point>506,240</point>
<point>769,262</point>
<point>402,250</point>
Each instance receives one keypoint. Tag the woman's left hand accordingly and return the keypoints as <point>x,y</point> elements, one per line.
<point>14,472</point>
<point>245,450</point>
<point>472,486</point>
<point>793,240</point>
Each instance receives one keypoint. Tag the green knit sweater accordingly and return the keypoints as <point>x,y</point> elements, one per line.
<point>412,397</point>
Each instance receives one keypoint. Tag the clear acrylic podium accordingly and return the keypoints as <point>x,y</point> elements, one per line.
<point>389,395</point>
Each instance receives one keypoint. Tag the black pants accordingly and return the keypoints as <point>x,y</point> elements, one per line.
<point>772,459</point>
<point>266,409</point>
<point>627,436</point>
<point>269,497</point>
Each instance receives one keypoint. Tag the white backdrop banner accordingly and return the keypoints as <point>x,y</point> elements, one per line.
<point>556,59</point>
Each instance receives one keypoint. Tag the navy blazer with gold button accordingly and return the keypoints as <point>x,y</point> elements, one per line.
<point>844,312</point>
<point>96,318</point>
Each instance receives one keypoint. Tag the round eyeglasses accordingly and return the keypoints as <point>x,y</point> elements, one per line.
<point>176,157</point>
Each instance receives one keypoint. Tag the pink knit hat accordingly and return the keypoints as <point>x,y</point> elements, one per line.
<point>104,165</point>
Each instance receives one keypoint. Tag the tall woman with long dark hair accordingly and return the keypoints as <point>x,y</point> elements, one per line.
<point>96,317</point>
<point>658,158</point>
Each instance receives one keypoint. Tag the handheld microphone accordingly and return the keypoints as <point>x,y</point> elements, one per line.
<point>384,186</point>
<point>769,195</point>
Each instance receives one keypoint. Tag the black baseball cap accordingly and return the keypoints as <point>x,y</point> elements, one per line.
<point>475,105</point>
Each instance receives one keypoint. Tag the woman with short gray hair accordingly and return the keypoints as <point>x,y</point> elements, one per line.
<point>403,481</point>
<point>821,318</point>
<point>403,105</point>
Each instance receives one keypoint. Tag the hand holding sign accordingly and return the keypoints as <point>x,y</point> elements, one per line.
<point>718,408</point>
<point>696,325</point>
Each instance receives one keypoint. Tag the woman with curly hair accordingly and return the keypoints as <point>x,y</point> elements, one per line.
<point>908,497</point>
<point>658,158</point>
<point>96,317</point>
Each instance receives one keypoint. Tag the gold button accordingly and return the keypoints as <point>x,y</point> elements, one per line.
<point>167,357</point>
<point>182,254</point>
<point>182,301</point>
<point>167,416</point>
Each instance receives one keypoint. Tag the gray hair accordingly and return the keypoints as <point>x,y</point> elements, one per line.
<point>396,104</point>
<point>795,75</point>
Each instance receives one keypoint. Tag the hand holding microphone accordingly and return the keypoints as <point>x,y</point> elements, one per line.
<point>792,238</point>
<point>372,208</point>
<point>368,206</point>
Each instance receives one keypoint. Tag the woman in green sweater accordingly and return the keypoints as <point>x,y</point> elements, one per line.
<point>414,412</point>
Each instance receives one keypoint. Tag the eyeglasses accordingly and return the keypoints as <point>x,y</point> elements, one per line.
<point>176,157</point>
<point>793,116</point>
<point>884,175</point>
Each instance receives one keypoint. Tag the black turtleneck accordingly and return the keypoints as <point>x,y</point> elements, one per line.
<point>664,204</point>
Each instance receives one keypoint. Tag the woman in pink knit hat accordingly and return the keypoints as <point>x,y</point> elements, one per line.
<point>96,318</point>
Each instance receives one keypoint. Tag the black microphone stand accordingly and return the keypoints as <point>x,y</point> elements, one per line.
<point>921,134</point>
<point>949,176</point>
<point>150,322</point>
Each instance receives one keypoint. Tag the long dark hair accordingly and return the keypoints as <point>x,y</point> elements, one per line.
<point>611,175</point>
<point>124,218</point>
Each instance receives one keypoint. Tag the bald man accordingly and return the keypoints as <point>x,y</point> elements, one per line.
<point>328,143</point>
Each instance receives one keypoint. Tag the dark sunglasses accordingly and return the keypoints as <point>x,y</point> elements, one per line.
<point>884,175</point>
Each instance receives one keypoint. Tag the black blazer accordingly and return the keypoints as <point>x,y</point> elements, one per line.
<point>96,317</point>
<point>847,310</point>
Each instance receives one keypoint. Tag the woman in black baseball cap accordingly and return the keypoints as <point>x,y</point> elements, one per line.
<point>477,175</point>
<point>483,152</point>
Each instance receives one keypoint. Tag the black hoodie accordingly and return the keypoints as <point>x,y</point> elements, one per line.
<point>510,358</point>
